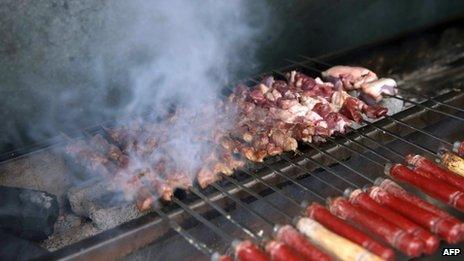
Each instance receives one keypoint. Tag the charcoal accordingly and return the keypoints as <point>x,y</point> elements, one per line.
<point>102,205</point>
<point>15,248</point>
<point>27,213</point>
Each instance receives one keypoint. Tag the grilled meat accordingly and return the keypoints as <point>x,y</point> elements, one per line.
<point>372,91</point>
<point>253,123</point>
<point>351,77</point>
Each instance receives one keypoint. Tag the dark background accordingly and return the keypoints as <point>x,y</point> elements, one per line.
<point>48,47</point>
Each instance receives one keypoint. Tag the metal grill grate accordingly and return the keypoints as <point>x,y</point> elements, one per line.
<point>313,173</point>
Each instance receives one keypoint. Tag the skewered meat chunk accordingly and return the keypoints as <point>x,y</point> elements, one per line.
<point>145,199</point>
<point>205,177</point>
<point>352,109</point>
<point>91,159</point>
<point>351,77</point>
<point>372,91</point>
<point>113,152</point>
<point>374,111</point>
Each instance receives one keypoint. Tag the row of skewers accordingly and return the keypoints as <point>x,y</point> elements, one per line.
<point>149,159</point>
<point>368,223</point>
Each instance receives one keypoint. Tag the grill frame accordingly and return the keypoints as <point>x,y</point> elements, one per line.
<point>151,227</point>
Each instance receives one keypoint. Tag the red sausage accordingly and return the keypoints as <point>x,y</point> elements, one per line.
<point>423,164</point>
<point>431,176</point>
<point>392,234</point>
<point>247,251</point>
<point>279,251</point>
<point>396,190</point>
<point>432,187</point>
<point>300,244</point>
<point>458,147</point>
<point>362,199</point>
<point>443,227</point>
<point>337,225</point>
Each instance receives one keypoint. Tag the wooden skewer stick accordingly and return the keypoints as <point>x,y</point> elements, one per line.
<point>338,246</point>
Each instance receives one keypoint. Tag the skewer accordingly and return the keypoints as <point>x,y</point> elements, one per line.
<point>227,216</point>
<point>425,107</point>
<point>411,91</point>
<point>257,196</point>
<point>66,136</point>
<point>418,130</point>
<point>291,179</point>
<point>402,139</point>
<point>202,247</point>
<point>385,147</point>
<point>300,207</point>
<point>274,188</point>
<point>306,170</point>
<point>204,221</point>
<point>341,163</point>
<point>240,203</point>
<point>355,151</point>
<point>264,241</point>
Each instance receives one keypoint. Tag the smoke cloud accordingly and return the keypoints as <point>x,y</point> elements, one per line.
<point>82,63</point>
<point>144,59</point>
<point>192,49</point>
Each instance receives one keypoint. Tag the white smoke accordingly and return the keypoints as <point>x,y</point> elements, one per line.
<point>84,62</point>
<point>195,46</point>
<point>103,60</point>
<point>192,48</point>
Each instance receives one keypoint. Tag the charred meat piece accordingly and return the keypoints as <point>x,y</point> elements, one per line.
<point>374,111</point>
<point>352,109</point>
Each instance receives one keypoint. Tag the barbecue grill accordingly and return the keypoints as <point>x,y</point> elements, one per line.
<point>248,205</point>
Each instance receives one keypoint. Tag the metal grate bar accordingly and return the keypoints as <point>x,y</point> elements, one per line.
<point>402,139</point>
<point>426,108</point>
<point>203,220</point>
<point>202,247</point>
<point>245,229</point>
<point>267,184</point>
<point>355,151</point>
<point>341,163</point>
<point>408,90</point>
<point>418,130</point>
<point>306,170</point>
<point>257,196</point>
<point>385,147</point>
<point>243,205</point>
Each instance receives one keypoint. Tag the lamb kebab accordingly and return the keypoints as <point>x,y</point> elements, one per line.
<point>253,123</point>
